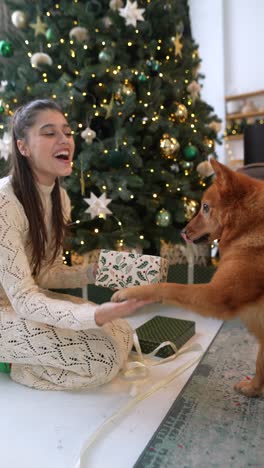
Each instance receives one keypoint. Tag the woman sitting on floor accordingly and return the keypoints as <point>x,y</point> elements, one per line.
<point>54,341</point>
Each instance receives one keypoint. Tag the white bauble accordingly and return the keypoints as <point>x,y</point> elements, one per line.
<point>40,58</point>
<point>79,34</point>
<point>88,135</point>
<point>3,86</point>
<point>19,19</point>
<point>116,4</point>
<point>216,126</point>
<point>107,22</point>
<point>205,169</point>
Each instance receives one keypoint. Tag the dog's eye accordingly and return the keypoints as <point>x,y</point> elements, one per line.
<point>205,208</point>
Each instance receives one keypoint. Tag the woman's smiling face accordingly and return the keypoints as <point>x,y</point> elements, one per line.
<point>49,147</point>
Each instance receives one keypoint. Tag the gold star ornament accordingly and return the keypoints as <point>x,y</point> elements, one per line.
<point>178,44</point>
<point>39,27</point>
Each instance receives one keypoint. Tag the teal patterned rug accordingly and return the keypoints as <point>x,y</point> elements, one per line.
<point>210,425</point>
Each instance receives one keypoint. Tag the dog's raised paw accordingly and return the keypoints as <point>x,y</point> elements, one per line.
<point>118,296</point>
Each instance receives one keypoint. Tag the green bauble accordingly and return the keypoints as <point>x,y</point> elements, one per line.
<point>190,152</point>
<point>6,49</point>
<point>106,55</point>
<point>163,218</point>
<point>153,66</point>
<point>142,77</point>
<point>117,158</point>
<point>51,35</point>
<point>2,109</point>
<point>10,86</point>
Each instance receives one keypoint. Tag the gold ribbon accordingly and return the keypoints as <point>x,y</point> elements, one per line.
<point>132,368</point>
<point>141,367</point>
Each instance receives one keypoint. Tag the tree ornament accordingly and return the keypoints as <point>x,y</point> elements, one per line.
<point>180,27</point>
<point>178,45</point>
<point>51,35</point>
<point>180,115</point>
<point>205,169</point>
<point>106,55</point>
<point>3,85</point>
<point>186,165</point>
<point>109,107</point>
<point>209,144</point>
<point>79,34</point>
<point>131,13</point>
<point>19,19</point>
<point>163,218</point>
<point>216,126</point>
<point>117,158</point>
<point>167,6</point>
<point>76,258</point>
<point>98,205</point>
<point>116,4</point>
<point>142,77</point>
<point>88,135</point>
<point>39,27</point>
<point>118,97</point>
<point>5,146</point>
<point>169,146</point>
<point>40,58</point>
<point>6,49</point>
<point>194,89</point>
<point>175,168</point>
<point>107,22</point>
<point>10,86</point>
<point>153,66</point>
<point>190,208</point>
<point>127,88</point>
<point>190,152</point>
<point>2,109</point>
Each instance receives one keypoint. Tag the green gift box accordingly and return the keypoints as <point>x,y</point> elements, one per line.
<point>5,367</point>
<point>159,329</point>
<point>179,274</point>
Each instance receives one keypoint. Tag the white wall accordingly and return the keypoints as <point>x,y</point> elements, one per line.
<point>207,30</point>
<point>244,38</point>
<point>231,37</point>
<point>244,58</point>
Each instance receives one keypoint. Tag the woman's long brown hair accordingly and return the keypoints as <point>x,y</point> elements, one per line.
<point>24,186</point>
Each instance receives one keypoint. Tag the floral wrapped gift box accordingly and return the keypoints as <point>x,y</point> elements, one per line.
<point>118,270</point>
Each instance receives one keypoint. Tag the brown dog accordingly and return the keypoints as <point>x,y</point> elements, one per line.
<point>231,211</point>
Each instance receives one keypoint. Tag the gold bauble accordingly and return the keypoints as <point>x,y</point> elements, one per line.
<point>169,146</point>
<point>76,259</point>
<point>209,144</point>
<point>127,88</point>
<point>118,97</point>
<point>180,114</point>
<point>190,208</point>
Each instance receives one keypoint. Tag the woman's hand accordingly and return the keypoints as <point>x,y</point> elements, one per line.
<point>112,310</point>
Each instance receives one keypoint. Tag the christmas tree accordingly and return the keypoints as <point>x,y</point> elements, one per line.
<point>126,74</point>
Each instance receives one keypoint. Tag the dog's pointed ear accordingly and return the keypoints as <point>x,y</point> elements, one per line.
<point>224,175</point>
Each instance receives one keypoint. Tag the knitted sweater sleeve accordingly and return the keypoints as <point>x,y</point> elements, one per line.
<point>58,275</point>
<point>27,299</point>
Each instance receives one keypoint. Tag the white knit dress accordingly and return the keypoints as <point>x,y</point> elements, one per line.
<point>51,339</point>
